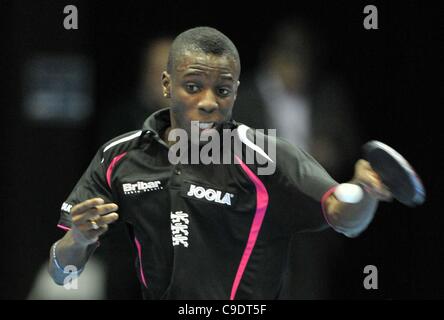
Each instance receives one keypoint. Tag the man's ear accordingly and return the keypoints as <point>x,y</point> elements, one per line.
<point>166,84</point>
<point>237,88</point>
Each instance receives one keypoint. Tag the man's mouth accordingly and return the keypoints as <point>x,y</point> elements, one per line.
<point>203,126</point>
<point>206,125</point>
<point>205,129</point>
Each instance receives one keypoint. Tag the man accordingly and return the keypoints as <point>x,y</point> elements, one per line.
<point>214,231</point>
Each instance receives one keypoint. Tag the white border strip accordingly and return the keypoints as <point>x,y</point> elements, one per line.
<point>242,131</point>
<point>130,137</point>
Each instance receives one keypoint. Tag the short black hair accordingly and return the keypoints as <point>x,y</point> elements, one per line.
<point>202,39</point>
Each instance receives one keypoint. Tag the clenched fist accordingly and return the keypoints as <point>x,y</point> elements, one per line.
<point>90,219</point>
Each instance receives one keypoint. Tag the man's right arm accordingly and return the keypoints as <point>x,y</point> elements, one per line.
<point>90,220</point>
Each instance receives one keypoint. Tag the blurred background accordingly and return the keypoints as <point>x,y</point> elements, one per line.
<point>309,69</point>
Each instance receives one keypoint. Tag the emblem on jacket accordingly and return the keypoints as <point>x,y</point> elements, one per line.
<point>141,186</point>
<point>179,228</point>
<point>210,195</point>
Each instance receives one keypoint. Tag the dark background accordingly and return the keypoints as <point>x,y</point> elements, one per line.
<point>391,73</point>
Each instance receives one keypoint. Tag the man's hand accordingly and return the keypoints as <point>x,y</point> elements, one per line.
<point>367,178</point>
<point>90,219</point>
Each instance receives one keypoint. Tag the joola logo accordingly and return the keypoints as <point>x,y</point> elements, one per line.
<point>210,195</point>
<point>140,186</point>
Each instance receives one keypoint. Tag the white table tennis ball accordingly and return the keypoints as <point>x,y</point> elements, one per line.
<point>349,193</point>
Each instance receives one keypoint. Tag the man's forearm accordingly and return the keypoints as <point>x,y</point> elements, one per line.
<point>67,252</point>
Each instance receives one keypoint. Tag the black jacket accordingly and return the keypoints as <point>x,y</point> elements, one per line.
<point>215,231</point>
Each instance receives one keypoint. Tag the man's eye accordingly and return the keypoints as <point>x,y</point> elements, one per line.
<point>192,88</point>
<point>224,92</point>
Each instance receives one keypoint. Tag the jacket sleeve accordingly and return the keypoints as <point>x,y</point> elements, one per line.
<point>92,184</point>
<point>306,185</point>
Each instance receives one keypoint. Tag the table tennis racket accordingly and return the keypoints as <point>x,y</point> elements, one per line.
<point>395,172</point>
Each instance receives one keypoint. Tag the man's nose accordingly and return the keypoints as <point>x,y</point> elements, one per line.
<point>208,103</point>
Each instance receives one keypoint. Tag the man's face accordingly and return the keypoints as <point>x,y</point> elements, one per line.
<point>203,88</point>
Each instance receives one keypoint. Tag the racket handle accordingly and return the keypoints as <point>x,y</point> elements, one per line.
<point>349,193</point>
